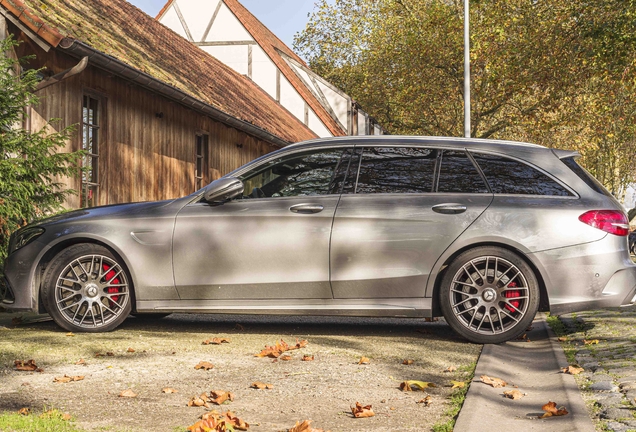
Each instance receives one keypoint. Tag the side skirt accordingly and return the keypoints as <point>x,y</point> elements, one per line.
<point>389,307</point>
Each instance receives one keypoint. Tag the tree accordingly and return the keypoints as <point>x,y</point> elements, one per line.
<point>555,72</point>
<point>30,161</point>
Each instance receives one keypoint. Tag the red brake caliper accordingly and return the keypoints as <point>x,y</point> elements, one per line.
<point>512,294</point>
<point>111,290</point>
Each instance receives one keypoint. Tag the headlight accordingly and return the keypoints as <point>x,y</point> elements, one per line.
<point>24,237</point>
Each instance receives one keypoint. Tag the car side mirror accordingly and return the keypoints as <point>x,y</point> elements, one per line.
<point>223,189</point>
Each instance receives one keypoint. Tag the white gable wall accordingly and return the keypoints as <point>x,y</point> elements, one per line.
<point>339,104</point>
<point>234,56</point>
<point>316,125</point>
<point>197,15</point>
<point>263,71</point>
<point>226,27</point>
<point>171,20</point>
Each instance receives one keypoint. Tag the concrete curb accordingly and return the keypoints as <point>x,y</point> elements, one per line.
<point>534,367</point>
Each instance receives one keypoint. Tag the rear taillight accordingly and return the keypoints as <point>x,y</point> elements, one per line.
<point>611,221</point>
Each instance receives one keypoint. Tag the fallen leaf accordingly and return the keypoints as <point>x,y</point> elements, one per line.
<point>97,354</point>
<point>66,416</point>
<point>307,357</point>
<point>261,386</point>
<point>591,342</point>
<point>494,382</point>
<point>450,369</point>
<point>67,378</point>
<point>204,365</point>
<point>169,390</point>
<point>303,427</point>
<point>26,366</point>
<point>408,362</point>
<point>70,334</point>
<point>513,394</point>
<point>218,397</point>
<point>285,357</point>
<point>427,401</point>
<point>522,337</point>
<point>24,411</point>
<point>128,394</point>
<point>415,385</point>
<point>572,370</point>
<point>198,402</point>
<point>130,350</point>
<point>81,362</point>
<point>364,361</point>
<point>215,341</point>
<point>551,410</point>
<point>110,354</point>
<point>458,384</point>
<point>360,411</point>
<point>213,421</point>
<point>562,339</point>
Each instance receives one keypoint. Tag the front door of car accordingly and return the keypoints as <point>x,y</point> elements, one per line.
<point>273,243</point>
<point>406,207</point>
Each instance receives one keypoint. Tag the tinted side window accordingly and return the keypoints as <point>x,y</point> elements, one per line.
<point>585,176</point>
<point>507,176</point>
<point>298,175</point>
<point>458,174</point>
<point>396,170</point>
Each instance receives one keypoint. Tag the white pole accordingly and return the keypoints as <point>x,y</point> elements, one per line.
<point>466,69</point>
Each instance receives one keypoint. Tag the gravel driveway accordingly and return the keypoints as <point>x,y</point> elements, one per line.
<point>148,355</point>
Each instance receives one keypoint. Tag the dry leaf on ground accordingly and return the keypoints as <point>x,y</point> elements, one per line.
<point>415,385</point>
<point>304,427</point>
<point>285,357</point>
<point>562,339</point>
<point>169,390</point>
<point>364,360</point>
<point>81,362</point>
<point>215,341</point>
<point>280,347</point>
<point>551,410</point>
<point>458,384</point>
<point>513,394</point>
<point>70,334</point>
<point>217,397</point>
<point>213,421</point>
<point>26,366</point>
<point>130,350</point>
<point>360,411</point>
<point>591,342</point>
<point>24,411</point>
<point>450,369</point>
<point>67,379</point>
<point>427,401</point>
<point>307,357</point>
<point>128,394</point>
<point>204,365</point>
<point>408,362</point>
<point>572,370</point>
<point>494,382</point>
<point>198,401</point>
<point>262,386</point>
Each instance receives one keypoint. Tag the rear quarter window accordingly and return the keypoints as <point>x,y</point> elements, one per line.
<point>509,176</point>
<point>585,176</point>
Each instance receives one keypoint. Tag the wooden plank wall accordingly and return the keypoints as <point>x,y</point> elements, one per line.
<point>147,143</point>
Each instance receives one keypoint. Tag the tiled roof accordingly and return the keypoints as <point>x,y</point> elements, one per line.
<point>120,30</point>
<point>272,46</point>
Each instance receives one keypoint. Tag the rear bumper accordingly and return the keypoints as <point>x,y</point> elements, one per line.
<point>589,276</point>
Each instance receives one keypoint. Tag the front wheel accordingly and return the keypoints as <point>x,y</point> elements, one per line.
<point>489,295</point>
<point>87,289</point>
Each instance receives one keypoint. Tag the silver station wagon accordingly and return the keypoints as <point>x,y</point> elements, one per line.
<point>484,233</point>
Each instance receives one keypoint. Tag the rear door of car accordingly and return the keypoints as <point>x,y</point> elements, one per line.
<point>401,207</point>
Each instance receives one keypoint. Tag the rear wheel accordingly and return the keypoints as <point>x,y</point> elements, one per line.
<point>87,289</point>
<point>489,295</point>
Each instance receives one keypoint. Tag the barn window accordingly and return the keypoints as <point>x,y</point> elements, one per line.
<point>90,144</point>
<point>202,164</point>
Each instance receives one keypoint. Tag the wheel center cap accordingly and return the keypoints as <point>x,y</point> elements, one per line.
<point>489,294</point>
<point>91,290</point>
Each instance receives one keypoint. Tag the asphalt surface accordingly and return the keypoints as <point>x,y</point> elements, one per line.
<point>531,366</point>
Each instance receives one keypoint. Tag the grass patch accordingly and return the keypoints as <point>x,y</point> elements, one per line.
<point>49,421</point>
<point>560,330</point>
<point>456,401</point>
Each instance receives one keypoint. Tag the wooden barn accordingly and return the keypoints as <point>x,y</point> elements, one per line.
<point>159,117</point>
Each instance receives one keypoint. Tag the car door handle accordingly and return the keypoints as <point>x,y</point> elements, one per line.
<point>306,208</point>
<point>449,208</point>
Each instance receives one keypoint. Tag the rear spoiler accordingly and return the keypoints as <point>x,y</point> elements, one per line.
<point>564,154</point>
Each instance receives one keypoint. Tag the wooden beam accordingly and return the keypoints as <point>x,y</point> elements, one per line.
<point>209,27</point>
<point>225,43</point>
<point>277,85</point>
<point>249,61</point>
<point>183,21</point>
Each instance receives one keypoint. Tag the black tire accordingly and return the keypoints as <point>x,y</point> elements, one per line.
<point>87,289</point>
<point>489,295</point>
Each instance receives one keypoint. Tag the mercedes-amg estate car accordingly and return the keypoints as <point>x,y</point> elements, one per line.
<point>484,233</point>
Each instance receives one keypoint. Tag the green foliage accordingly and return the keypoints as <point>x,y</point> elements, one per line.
<point>31,163</point>
<point>555,72</point>
<point>49,421</point>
